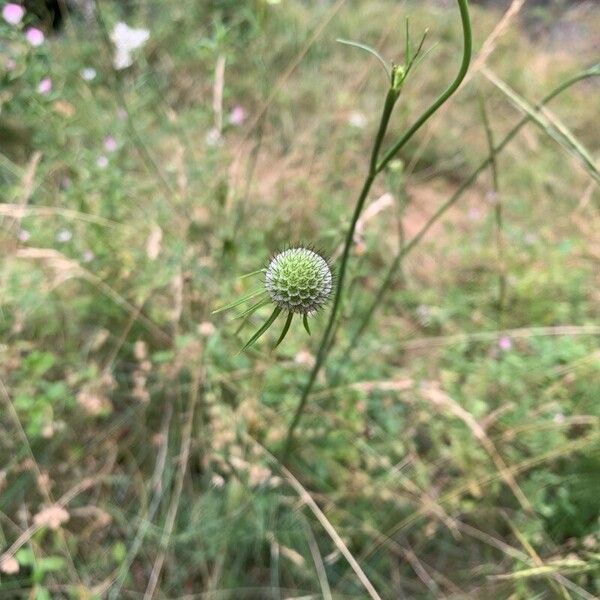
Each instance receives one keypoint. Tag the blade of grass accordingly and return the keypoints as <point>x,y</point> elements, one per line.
<point>556,130</point>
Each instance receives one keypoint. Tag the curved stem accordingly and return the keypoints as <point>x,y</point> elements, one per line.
<point>426,115</point>
<point>374,170</point>
<point>593,72</point>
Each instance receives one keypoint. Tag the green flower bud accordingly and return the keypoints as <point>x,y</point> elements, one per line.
<point>299,281</point>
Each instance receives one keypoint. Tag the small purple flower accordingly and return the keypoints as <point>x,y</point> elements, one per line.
<point>34,36</point>
<point>13,13</point>
<point>505,343</point>
<point>237,116</point>
<point>45,86</point>
<point>102,162</point>
<point>110,144</point>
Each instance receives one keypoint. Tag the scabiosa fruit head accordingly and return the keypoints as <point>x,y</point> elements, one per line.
<point>299,280</point>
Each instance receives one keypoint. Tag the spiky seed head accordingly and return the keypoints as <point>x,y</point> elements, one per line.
<point>299,280</point>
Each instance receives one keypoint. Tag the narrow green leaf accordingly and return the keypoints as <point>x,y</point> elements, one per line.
<point>253,273</point>
<point>248,313</point>
<point>239,301</point>
<point>253,308</point>
<point>286,327</point>
<point>264,328</point>
<point>369,50</point>
<point>305,322</point>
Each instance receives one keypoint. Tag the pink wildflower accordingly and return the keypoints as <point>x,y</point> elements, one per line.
<point>13,13</point>
<point>45,86</point>
<point>34,36</point>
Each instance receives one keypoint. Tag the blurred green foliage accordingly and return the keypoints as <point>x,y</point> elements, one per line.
<point>132,201</point>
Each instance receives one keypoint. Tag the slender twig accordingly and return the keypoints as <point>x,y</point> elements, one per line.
<point>397,77</point>
<point>489,136</point>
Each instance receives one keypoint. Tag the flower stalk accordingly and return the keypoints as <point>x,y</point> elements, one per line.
<point>398,76</point>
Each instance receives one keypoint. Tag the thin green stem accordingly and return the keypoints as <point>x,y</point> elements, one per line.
<point>499,225</point>
<point>390,100</point>
<point>374,170</point>
<point>592,72</point>
<point>445,95</point>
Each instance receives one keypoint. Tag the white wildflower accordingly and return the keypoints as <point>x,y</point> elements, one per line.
<point>63,236</point>
<point>88,73</point>
<point>357,119</point>
<point>126,39</point>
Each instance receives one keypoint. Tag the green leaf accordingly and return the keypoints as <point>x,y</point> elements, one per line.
<point>369,50</point>
<point>239,301</point>
<point>286,327</point>
<point>25,557</point>
<point>50,564</point>
<point>305,322</point>
<point>264,328</point>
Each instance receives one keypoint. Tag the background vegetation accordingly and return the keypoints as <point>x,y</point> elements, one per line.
<point>454,452</point>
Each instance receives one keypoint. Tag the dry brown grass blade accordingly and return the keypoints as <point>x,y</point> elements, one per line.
<point>18,211</point>
<point>320,516</point>
<point>551,125</point>
<point>489,45</point>
<point>517,554</point>
<point>441,399</point>
<point>28,180</point>
<point>485,336</point>
<point>535,557</point>
<point>318,561</point>
<point>184,454</point>
<point>218,86</point>
<point>560,451</point>
<point>62,502</point>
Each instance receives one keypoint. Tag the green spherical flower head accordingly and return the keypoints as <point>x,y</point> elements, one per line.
<point>299,280</point>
